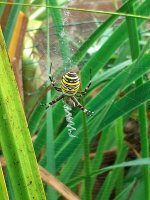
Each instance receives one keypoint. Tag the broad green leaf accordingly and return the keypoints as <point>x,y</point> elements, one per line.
<point>14,137</point>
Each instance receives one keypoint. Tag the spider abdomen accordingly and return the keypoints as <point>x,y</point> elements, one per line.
<point>70,83</point>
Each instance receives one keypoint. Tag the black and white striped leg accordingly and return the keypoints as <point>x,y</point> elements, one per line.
<point>81,107</point>
<point>82,93</point>
<point>53,82</point>
<point>52,102</point>
<point>79,94</point>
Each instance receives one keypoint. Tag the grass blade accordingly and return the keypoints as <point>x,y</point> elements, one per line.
<point>119,143</point>
<point>3,189</point>
<point>87,182</point>
<point>50,162</point>
<point>96,162</point>
<point>15,138</point>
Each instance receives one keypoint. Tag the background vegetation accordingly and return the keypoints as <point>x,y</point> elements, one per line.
<point>109,156</point>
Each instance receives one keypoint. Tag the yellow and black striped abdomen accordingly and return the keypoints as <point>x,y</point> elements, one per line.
<point>70,83</point>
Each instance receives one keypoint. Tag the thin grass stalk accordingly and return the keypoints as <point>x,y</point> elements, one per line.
<point>135,50</point>
<point>3,188</point>
<point>87,182</point>
<point>124,194</point>
<point>83,10</point>
<point>96,162</point>
<point>119,142</point>
<point>80,9</point>
<point>50,155</point>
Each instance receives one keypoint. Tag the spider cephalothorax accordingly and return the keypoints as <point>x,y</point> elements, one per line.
<point>70,84</point>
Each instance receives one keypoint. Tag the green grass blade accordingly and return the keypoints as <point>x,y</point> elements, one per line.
<point>15,138</point>
<point>138,162</point>
<point>35,118</point>
<point>108,74</point>
<point>125,192</point>
<point>87,183</point>
<point>9,185</point>
<point>3,189</point>
<point>127,104</point>
<point>49,151</point>
<point>40,140</point>
<point>119,142</point>
<point>97,160</point>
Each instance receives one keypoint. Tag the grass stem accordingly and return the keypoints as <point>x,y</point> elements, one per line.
<point>119,142</point>
<point>87,182</point>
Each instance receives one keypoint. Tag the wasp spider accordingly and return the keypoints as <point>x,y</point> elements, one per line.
<point>70,84</point>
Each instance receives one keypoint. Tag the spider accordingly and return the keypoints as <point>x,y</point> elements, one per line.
<point>70,84</point>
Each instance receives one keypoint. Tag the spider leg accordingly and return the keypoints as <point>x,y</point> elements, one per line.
<point>81,107</point>
<point>82,93</point>
<point>53,82</point>
<point>79,94</point>
<point>52,102</point>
